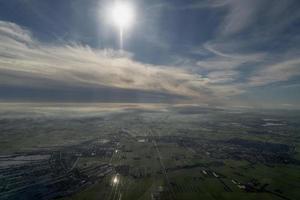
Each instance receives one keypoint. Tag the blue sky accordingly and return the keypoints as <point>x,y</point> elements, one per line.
<point>215,52</point>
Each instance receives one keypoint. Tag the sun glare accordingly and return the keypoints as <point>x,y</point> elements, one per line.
<point>115,180</point>
<point>122,14</point>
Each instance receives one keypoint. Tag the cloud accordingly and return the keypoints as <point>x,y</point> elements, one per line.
<point>263,68</point>
<point>244,14</point>
<point>25,61</point>
<point>223,67</point>
<point>241,13</point>
<point>248,49</point>
<point>277,72</point>
<point>220,60</point>
<point>223,76</point>
<point>203,4</point>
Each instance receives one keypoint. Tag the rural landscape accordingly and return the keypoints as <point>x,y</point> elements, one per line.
<point>149,100</point>
<point>148,152</point>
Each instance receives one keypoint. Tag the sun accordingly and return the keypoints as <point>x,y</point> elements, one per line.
<point>122,14</point>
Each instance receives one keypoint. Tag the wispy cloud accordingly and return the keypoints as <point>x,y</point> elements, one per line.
<point>240,15</point>
<point>223,76</point>
<point>281,71</point>
<point>244,14</point>
<point>243,50</point>
<point>245,39</point>
<point>227,63</point>
<point>26,61</point>
<point>169,5</point>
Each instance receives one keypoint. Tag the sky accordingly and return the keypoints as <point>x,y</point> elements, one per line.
<point>243,53</point>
